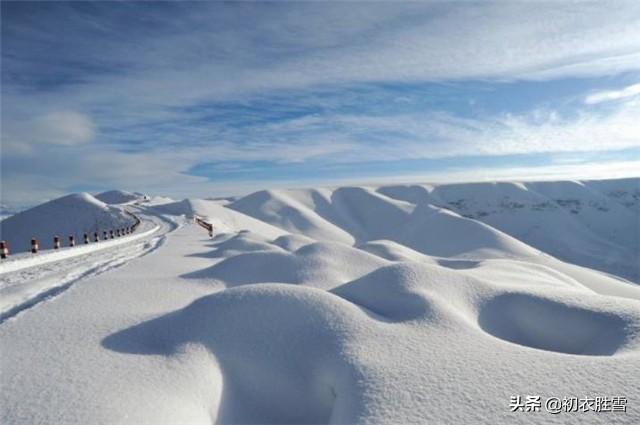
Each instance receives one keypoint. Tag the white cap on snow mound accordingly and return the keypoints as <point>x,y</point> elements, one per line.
<point>73,214</point>
<point>119,197</point>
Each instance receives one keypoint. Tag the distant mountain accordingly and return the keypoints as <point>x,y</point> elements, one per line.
<point>589,223</point>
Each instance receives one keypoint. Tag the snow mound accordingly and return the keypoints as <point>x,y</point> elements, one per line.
<point>176,208</point>
<point>223,219</point>
<point>393,292</point>
<point>443,233</point>
<point>321,264</point>
<point>73,214</point>
<point>332,352</point>
<point>394,251</point>
<point>244,329</point>
<point>589,223</point>
<point>228,245</point>
<point>548,324</point>
<point>119,197</point>
<point>306,212</point>
<point>292,242</point>
<point>354,215</point>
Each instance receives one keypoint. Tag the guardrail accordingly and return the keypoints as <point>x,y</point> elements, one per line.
<point>205,225</point>
<point>20,262</point>
<point>112,233</point>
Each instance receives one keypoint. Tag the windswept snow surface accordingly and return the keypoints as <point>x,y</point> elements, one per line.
<point>377,305</point>
<point>73,214</point>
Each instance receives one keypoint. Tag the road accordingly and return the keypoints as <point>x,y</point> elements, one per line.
<point>27,280</point>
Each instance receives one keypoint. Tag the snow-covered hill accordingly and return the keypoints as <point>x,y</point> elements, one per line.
<point>593,224</point>
<point>69,215</point>
<point>119,197</point>
<point>384,305</point>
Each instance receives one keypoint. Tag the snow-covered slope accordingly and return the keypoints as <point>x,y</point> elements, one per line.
<point>70,215</point>
<point>594,224</point>
<point>119,197</point>
<point>378,305</point>
<point>356,215</point>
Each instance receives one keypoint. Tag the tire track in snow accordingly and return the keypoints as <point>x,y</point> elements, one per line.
<point>49,282</point>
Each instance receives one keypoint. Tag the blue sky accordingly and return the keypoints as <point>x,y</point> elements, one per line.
<point>207,99</point>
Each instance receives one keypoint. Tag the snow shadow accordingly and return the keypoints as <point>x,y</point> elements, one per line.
<point>321,263</point>
<point>277,347</point>
<point>545,324</point>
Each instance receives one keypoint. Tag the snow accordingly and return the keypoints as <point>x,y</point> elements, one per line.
<point>22,290</point>
<point>119,197</point>
<point>22,261</point>
<point>73,214</point>
<point>590,223</point>
<point>396,304</point>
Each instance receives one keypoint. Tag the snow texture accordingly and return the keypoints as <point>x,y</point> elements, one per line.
<point>364,305</point>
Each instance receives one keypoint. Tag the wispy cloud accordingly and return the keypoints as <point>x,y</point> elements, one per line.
<point>610,95</point>
<point>140,94</point>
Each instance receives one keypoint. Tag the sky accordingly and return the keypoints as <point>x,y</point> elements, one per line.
<point>213,99</point>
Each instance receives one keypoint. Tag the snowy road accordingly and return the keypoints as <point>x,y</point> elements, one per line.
<point>28,280</point>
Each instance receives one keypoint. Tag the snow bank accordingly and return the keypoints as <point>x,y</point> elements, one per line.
<point>69,215</point>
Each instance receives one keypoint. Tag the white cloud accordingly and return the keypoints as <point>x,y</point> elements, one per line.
<point>64,128</point>
<point>22,134</point>
<point>190,61</point>
<point>609,95</point>
<point>443,135</point>
<point>590,170</point>
<point>305,45</point>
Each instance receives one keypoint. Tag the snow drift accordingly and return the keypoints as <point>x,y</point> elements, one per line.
<point>69,215</point>
<point>385,305</point>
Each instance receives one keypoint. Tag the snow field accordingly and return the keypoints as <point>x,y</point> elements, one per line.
<point>348,305</point>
